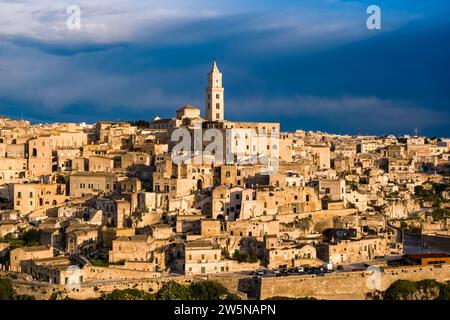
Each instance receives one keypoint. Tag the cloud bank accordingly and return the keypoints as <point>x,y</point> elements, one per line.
<point>307,64</point>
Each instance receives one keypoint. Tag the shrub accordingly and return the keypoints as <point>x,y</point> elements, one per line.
<point>6,289</point>
<point>174,291</point>
<point>208,290</point>
<point>400,290</point>
<point>127,294</point>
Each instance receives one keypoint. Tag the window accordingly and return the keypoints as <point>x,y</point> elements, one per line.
<point>217,105</point>
<point>217,115</point>
<point>19,195</point>
<point>307,197</point>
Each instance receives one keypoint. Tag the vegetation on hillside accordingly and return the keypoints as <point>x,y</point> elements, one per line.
<point>440,214</point>
<point>203,290</point>
<point>431,192</point>
<point>7,291</point>
<point>420,290</point>
<point>250,257</point>
<point>26,239</point>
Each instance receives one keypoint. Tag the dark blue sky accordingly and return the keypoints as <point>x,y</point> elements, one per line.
<point>309,64</point>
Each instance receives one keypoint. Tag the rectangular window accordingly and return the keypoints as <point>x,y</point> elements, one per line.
<point>19,195</point>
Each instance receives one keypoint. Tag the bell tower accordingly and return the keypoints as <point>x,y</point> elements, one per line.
<point>214,100</point>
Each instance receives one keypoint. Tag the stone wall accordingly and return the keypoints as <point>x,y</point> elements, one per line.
<point>321,220</point>
<point>91,273</point>
<point>344,285</point>
<point>234,283</point>
<point>93,289</point>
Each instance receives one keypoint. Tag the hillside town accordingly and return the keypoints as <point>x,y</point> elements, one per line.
<point>106,205</point>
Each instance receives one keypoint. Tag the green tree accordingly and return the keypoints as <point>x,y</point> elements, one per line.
<point>400,290</point>
<point>439,214</point>
<point>174,291</point>
<point>31,237</point>
<point>6,289</point>
<point>128,294</point>
<point>444,293</point>
<point>208,290</point>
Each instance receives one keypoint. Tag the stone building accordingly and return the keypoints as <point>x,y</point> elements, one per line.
<point>18,255</point>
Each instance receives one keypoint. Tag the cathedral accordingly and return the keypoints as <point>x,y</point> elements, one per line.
<point>246,140</point>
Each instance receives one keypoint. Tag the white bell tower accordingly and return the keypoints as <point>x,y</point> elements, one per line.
<point>214,100</point>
